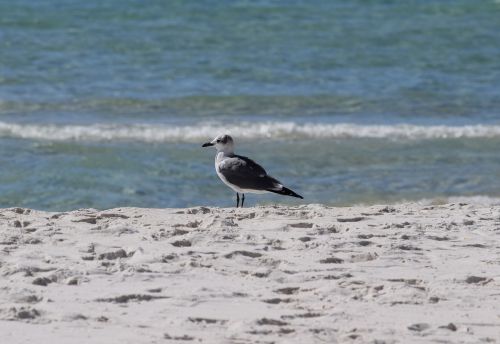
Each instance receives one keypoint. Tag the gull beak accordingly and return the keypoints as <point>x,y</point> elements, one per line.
<point>207,144</point>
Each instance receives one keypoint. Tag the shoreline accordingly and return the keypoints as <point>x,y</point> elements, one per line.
<point>402,273</point>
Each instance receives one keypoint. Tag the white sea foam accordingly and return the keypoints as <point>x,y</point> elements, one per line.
<point>481,200</point>
<point>270,130</point>
<point>476,200</point>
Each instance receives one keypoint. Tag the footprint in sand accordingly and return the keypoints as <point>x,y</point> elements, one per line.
<point>301,225</point>
<point>21,211</point>
<point>336,277</point>
<point>131,297</point>
<point>22,313</point>
<point>351,219</point>
<point>190,224</point>
<point>302,316</point>
<point>305,238</point>
<point>438,238</point>
<point>244,253</point>
<point>331,260</point>
<point>92,220</point>
<point>271,322</point>
<point>287,290</point>
<point>111,215</point>
<point>478,280</point>
<point>9,240</point>
<point>451,326</point>
<point>179,232</point>
<point>167,258</point>
<point>31,241</point>
<point>181,243</point>
<point>363,257</point>
<point>476,245</point>
<point>183,337</point>
<point>112,255</point>
<point>73,281</point>
<point>409,248</point>
<point>199,210</point>
<point>207,320</point>
<point>277,300</point>
<point>17,224</point>
<point>419,327</point>
<point>42,281</point>
<point>326,230</point>
<point>31,298</point>
<point>246,216</point>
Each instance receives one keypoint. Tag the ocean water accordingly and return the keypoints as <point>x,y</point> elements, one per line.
<point>106,103</point>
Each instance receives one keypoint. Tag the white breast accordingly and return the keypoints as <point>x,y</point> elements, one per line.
<point>219,161</point>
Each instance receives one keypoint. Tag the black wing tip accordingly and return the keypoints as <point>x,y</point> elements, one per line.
<point>287,192</point>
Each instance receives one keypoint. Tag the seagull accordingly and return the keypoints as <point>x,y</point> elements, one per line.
<point>242,174</point>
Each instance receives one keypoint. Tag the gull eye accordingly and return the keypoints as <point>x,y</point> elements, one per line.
<point>218,141</point>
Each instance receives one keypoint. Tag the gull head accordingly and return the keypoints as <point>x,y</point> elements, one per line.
<point>223,143</point>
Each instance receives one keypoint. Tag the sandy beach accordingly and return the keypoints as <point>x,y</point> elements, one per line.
<point>408,273</point>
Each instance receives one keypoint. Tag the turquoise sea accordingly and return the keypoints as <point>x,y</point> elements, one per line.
<point>106,103</point>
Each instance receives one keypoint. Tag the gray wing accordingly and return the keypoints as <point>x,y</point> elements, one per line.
<point>247,174</point>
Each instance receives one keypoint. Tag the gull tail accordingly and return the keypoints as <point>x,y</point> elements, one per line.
<point>285,191</point>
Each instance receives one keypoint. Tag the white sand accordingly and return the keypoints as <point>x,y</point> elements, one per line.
<point>309,274</point>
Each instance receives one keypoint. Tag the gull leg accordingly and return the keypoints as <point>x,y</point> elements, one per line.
<point>242,199</point>
<point>237,200</point>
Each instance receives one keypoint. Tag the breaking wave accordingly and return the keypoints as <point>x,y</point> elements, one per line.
<point>262,130</point>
